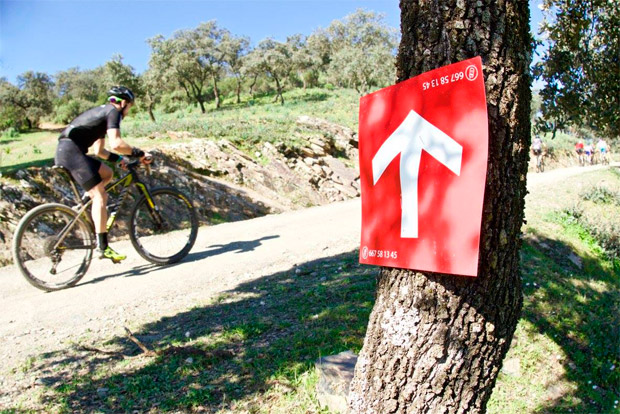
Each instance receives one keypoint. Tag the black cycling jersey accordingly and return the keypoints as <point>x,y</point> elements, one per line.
<point>92,125</point>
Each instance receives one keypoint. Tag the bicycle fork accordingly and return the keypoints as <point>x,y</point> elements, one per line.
<point>153,210</point>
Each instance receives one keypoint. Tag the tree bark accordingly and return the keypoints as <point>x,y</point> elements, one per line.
<point>238,91</point>
<point>216,92</point>
<point>279,91</point>
<point>435,343</point>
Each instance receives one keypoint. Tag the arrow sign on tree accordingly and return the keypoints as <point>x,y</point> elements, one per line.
<point>425,212</point>
<point>412,136</point>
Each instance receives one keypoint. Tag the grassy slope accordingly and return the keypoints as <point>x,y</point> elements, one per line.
<point>253,349</point>
<point>245,124</point>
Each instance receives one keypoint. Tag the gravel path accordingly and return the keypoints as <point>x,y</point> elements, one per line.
<point>111,297</point>
<point>130,294</point>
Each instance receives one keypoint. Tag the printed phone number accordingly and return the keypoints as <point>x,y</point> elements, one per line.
<point>387,254</point>
<point>471,73</point>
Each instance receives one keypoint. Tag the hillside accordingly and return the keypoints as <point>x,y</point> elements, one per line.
<point>237,327</point>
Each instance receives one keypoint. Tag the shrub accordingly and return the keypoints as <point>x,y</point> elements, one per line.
<point>68,111</point>
<point>601,195</point>
<point>10,132</point>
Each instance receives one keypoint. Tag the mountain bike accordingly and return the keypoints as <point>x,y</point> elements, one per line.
<point>581,157</point>
<point>53,243</point>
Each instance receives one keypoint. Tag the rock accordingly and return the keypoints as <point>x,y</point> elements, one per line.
<point>576,260</point>
<point>512,367</point>
<point>335,375</point>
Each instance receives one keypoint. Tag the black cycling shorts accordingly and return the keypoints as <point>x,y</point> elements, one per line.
<point>84,169</point>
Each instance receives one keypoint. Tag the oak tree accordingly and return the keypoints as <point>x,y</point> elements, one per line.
<point>435,343</point>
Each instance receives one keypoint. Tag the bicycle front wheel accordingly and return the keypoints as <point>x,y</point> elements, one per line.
<point>52,247</point>
<point>164,232</point>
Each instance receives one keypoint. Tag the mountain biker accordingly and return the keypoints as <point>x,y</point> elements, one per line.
<point>537,146</point>
<point>89,130</point>
<point>589,150</point>
<point>601,146</point>
<point>579,147</point>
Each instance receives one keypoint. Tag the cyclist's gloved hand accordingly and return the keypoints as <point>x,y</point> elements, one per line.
<point>147,158</point>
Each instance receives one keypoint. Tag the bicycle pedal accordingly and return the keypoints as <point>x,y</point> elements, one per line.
<point>116,261</point>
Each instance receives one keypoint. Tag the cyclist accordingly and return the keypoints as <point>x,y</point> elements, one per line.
<point>579,150</point>
<point>601,146</point>
<point>589,150</point>
<point>89,130</point>
<point>537,145</point>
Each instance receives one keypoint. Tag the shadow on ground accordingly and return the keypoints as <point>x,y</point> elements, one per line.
<point>242,246</point>
<point>262,335</point>
<point>260,339</point>
<point>574,302</point>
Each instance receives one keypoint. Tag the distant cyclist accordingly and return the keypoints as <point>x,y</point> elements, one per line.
<point>537,146</point>
<point>589,150</point>
<point>601,146</point>
<point>537,149</point>
<point>89,130</point>
<point>579,150</point>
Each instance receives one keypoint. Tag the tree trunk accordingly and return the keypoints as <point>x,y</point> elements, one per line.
<point>216,92</point>
<point>435,343</point>
<point>238,91</point>
<point>279,91</point>
<point>151,114</point>
<point>253,85</point>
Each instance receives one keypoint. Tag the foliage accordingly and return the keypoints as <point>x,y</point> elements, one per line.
<point>117,73</point>
<point>209,63</point>
<point>274,59</point>
<point>581,67</point>
<point>69,110</point>
<point>75,83</point>
<point>29,101</point>
<point>601,194</point>
<point>360,50</point>
<point>10,133</point>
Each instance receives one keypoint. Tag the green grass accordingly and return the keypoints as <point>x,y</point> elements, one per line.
<point>26,150</point>
<point>251,349</point>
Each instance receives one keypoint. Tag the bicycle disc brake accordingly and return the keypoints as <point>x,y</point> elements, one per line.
<point>54,254</point>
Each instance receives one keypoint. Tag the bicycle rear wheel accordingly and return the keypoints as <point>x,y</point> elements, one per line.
<point>43,264</point>
<point>166,232</point>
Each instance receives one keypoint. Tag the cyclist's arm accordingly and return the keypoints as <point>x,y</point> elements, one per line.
<point>121,147</point>
<point>117,144</point>
<point>99,149</point>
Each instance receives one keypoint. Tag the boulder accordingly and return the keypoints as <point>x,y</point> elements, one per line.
<point>335,375</point>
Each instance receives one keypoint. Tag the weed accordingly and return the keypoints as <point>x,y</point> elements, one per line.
<point>10,133</point>
<point>601,194</point>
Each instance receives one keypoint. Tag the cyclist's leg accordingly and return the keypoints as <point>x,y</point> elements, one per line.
<point>100,214</point>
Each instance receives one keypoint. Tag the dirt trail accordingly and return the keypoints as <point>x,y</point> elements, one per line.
<point>135,292</point>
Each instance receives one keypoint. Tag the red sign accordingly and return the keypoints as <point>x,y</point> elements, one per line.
<point>423,147</point>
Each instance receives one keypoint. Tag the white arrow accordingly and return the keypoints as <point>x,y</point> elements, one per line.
<point>412,136</point>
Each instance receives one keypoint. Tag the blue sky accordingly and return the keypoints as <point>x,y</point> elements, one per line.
<point>53,35</point>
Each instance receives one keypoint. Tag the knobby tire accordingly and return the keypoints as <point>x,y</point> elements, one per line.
<point>44,266</point>
<point>170,240</point>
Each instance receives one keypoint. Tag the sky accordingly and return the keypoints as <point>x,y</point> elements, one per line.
<point>55,35</point>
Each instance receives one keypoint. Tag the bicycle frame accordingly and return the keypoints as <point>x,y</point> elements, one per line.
<point>131,177</point>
